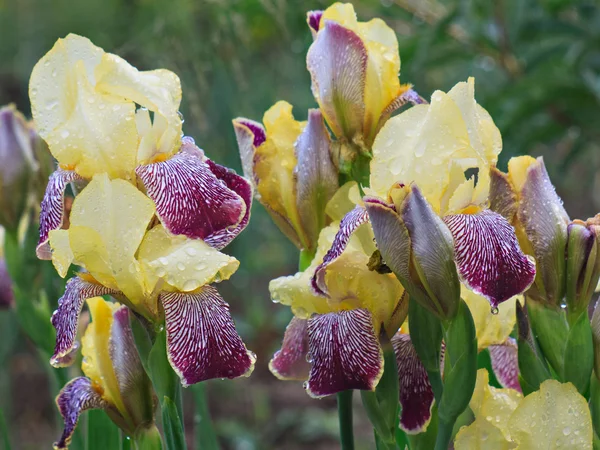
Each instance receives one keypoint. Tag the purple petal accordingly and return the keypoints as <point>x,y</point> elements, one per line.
<point>250,135</point>
<point>76,396</point>
<point>416,395</point>
<point>202,341</point>
<point>52,208</point>
<point>290,363</point>
<point>488,256</point>
<point>337,62</point>
<point>345,353</point>
<point>348,226</point>
<point>66,318</point>
<point>505,363</point>
<point>316,176</point>
<point>503,198</point>
<point>313,18</point>
<point>7,296</point>
<point>134,385</point>
<point>190,199</point>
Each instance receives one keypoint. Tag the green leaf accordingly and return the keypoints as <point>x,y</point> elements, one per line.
<point>102,433</point>
<point>550,327</point>
<point>387,391</point>
<point>206,439</point>
<point>579,354</point>
<point>172,425</point>
<point>4,431</point>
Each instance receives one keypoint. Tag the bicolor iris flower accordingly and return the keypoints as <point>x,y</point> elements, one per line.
<point>290,167</point>
<point>153,213</point>
<point>114,380</point>
<point>354,68</point>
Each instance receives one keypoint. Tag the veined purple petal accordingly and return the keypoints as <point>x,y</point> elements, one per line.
<point>202,342</point>
<point>313,18</point>
<point>348,226</point>
<point>242,187</point>
<point>505,363</point>
<point>52,208</point>
<point>337,62</point>
<point>345,353</point>
<point>66,318</point>
<point>416,395</point>
<point>316,176</point>
<point>488,256</point>
<point>76,396</point>
<point>290,363</point>
<point>250,135</point>
<point>190,199</point>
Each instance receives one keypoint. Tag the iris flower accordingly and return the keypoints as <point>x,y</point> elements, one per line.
<point>114,380</point>
<point>153,213</point>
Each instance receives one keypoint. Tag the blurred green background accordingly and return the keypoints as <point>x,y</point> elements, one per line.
<point>537,70</point>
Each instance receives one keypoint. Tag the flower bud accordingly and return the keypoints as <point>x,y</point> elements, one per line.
<point>16,165</point>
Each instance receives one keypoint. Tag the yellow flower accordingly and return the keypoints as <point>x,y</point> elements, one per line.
<point>556,416</point>
<point>84,100</point>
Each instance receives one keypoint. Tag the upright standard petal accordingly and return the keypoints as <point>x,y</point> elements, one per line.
<point>505,363</point>
<point>53,209</point>
<point>337,62</point>
<point>66,318</point>
<point>316,176</point>
<point>76,397</point>
<point>202,342</point>
<point>488,256</point>
<point>416,395</point>
<point>249,135</point>
<point>189,198</point>
<point>348,226</point>
<point>290,362</point>
<point>345,353</point>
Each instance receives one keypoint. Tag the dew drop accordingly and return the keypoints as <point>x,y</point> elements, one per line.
<point>190,285</point>
<point>181,266</point>
<point>494,310</point>
<point>191,251</point>
<point>64,134</point>
<point>566,431</point>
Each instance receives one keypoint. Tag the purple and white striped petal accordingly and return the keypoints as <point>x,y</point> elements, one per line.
<point>416,395</point>
<point>290,362</point>
<point>505,363</point>
<point>66,318</point>
<point>76,396</point>
<point>348,226</point>
<point>190,199</point>
<point>313,19</point>
<point>53,208</point>
<point>249,135</point>
<point>337,62</point>
<point>488,257</point>
<point>202,342</point>
<point>344,351</point>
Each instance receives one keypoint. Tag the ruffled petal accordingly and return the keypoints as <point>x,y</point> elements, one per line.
<point>345,353</point>
<point>488,256</point>
<point>505,363</point>
<point>316,176</point>
<point>189,198</point>
<point>416,395</point>
<point>76,396</point>
<point>202,342</point>
<point>348,226</point>
<point>186,264</point>
<point>290,362</point>
<point>53,208</point>
<point>337,62</point>
<point>66,318</point>
<point>249,135</point>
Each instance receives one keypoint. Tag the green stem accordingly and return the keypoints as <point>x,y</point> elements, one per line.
<point>147,439</point>
<point>376,416</point>
<point>306,257</point>
<point>344,402</point>
<point>444,435</point>
<point>206,438</point>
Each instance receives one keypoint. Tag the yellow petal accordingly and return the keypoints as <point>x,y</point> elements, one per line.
<point>342,13</point>
<point>108,221</point>
<point>491,329</point>
<point>517,170</point>
<point>157,90</point>
<point>87,131</point>
<point>97,365</point>
<point>343,201</point>
<point>481,435</point>
<point>62,256</point>
<point>186,264</point>
<point>556,416</point>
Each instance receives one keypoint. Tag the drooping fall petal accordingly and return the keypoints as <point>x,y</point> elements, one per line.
<point>416,395</point>
<point>290,363</point>
<point>202,342</point>
<point>345,353</point>
<point>66,318</point>
<point>505,363</point>
<point>488,256</point>
<point>52,208</point>
<point>189,198</point>
<point>76,397</point>
<point>348,226</point>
